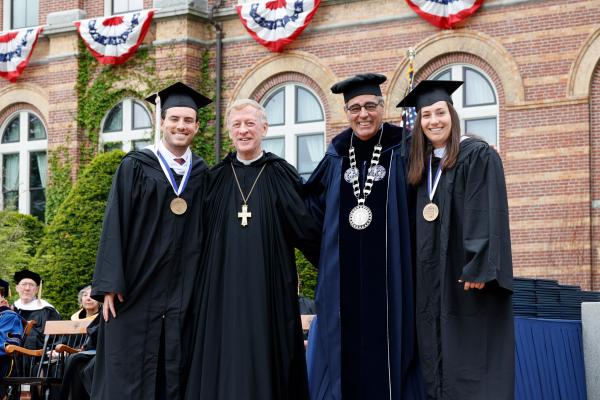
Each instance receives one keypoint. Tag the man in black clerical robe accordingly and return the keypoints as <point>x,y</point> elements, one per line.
<point>249,342</point>
<point>362,342</point>
<point>147,258</point>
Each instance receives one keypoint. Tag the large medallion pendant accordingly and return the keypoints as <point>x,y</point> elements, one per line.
<point>377,172</point>
<point>360,217</point>
<point>430,212</point>
<point>178,206</point>
<point>350,174</point>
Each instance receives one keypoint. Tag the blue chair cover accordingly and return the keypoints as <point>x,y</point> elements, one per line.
<point>549,360</point>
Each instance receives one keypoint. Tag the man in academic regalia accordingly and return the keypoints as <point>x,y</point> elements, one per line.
<point>249,342</point>
<point>31,307</point>
<point>362,343</point>
<point>148,256</point>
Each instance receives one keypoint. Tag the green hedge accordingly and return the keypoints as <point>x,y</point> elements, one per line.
<point>67,254</point>
<point>20,236</point>
<point>308,275</point>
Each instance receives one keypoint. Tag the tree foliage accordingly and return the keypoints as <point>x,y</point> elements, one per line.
<point>67,254</point>
<point>20,236</point>
<point>308,275</point>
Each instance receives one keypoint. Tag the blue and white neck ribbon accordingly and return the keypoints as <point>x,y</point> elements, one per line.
<point>178,189</point>
<point>431,190</point>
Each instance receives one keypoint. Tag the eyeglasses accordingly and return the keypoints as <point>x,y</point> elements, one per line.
<point>27,284</point>
<point>356,108</point>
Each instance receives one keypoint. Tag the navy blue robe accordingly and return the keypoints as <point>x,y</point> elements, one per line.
<point>362,344</point>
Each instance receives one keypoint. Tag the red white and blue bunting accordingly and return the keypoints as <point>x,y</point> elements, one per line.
<point>444,13</point>
<point>276,23</point>
<point>16,48</point>
<point>113,40</point>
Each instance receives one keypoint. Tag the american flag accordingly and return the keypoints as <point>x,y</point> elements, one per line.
<point>409,114</point>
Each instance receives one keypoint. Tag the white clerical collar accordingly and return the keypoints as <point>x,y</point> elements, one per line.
<point>35,304</point>
<point>170,158</point>
<point>248,162</point>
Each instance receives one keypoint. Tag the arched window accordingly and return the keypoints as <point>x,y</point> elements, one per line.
<point>476,101</point>
<point>296,126</point>
<point>127,126</point>
<point>23,159</point>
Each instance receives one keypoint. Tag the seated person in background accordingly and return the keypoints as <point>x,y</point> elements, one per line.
<point>306,304</point>
<point>30,307</point>
<point>79,369</point>
<point>11,330</point>
<point>89,307</point>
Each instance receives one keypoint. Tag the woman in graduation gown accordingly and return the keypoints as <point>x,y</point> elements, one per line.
<point>463,255</point>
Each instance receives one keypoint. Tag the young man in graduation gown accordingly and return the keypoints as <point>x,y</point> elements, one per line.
<point>147,258</point>
<point>463,254</point>
<point>362,343</point>
<point>249,342</point>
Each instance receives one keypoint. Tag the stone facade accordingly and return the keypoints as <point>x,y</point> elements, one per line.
<point>541,57</point>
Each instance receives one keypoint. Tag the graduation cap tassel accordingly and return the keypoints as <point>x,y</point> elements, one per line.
<point>157,119</point>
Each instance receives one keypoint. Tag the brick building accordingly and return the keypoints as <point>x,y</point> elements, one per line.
<point>532,77</point>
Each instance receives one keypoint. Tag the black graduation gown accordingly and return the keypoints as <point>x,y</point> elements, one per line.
<point>35,339</point>
<point>249,342</point>
<point>151,256</point>
<point>466,339</point>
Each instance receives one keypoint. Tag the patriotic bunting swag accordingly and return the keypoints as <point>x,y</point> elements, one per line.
<point>444,13</point>
<point>113,40</point>
<point>16,48</point>
<point>277,23</point>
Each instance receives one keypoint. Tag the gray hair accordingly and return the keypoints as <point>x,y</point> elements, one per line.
<point>243,103</point>
<point>80,294</point>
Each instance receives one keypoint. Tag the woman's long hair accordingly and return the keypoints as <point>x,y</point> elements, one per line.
<point>421,148</point>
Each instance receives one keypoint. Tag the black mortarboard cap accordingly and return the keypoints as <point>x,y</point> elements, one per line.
<point>359,84</point>
<point>428,92</point>
<point>4,288</point>
<point>25,273</point>
<point>180,95</point>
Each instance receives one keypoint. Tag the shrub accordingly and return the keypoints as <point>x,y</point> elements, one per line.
<point>20,235</point>
<point>67,254</point>
<point>308,275</point>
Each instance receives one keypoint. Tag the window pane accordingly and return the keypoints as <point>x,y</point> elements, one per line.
<point>308,108</point>
<point>32,12</point>
<point>444,75</point>
<point>36,128</point>
<point>275,146</point>
<point>310,152</point>
<point>114,121</point>
<point>110,146</point>
<point>141,118</point>
<point>37,170</point>
<point>477,89</point>
<point>123,6</point>
<point>140,144</point>
<point>275,107</point>
<point>10,181</point>
<point>11,133</point>
<point>19,14</point>
<point>37,183</point>
<point>484,128</point>
<point>38,203</point>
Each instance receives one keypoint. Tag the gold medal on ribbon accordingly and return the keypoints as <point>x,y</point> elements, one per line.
<point>431,212</point>
<point>178,206</point>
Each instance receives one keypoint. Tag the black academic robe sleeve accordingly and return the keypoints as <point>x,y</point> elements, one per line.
<point>486,233</point>
<point>109,275</point>
<point>301,228</point>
